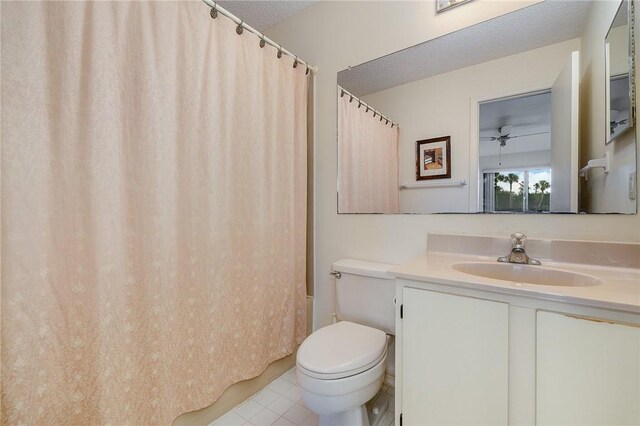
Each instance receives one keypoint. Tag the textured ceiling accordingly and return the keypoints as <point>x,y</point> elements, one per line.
<point>534,110</point>
<point>622,17</point>
<point>266,13</point>
<point>532,27</point>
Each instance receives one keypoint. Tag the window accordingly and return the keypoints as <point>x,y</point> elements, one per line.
<point>517,190</point>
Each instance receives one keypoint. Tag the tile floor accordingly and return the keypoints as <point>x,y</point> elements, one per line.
<point>280,404</point>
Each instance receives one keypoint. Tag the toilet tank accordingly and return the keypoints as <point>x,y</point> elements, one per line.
<point>365,294</point>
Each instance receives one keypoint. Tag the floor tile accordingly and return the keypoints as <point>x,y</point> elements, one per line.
<point>388,419</point>
<point>281,405</point>
<point>280,385</point>
<point>229,419</point>
<point>297,414</point>
<point>312,420</point>
<point>248,409</point>
<point>264,418</point>
<point>290,376</point>
<point>283,422</point>
<point>265,397</point>
<point>294,393</point>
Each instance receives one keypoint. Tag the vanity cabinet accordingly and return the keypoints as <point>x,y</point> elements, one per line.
<point>468,356</point>
<point>455,351</point>
<point>587,372</point>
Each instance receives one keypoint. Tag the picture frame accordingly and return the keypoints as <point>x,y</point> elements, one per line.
<point>444,5</point>
<point>433,158</point>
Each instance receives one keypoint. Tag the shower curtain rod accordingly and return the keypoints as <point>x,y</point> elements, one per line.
<point>361,102</point>
<point>243,25</point>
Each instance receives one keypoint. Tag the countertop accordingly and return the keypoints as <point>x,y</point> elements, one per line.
<point>620,288</point>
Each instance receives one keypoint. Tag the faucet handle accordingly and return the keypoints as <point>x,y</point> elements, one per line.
<point>518,239</point>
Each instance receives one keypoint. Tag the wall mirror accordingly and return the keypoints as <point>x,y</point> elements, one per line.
<point>620,80</point>
<point>506,96</point>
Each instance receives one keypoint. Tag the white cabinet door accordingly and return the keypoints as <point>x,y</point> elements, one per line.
<point>588,372</point>
<point>455,360</point>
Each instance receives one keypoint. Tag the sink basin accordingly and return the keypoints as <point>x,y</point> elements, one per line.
<point>527,274</point>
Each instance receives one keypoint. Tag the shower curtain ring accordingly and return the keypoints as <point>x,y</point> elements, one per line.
<point>307,72</point>
<point>351,99</point>
<point>214,12</point>
<point>367,110</point>
<point>279,52</point>
<point>359,104</point>
<point>240,28</point>
<point>342,94</point>
<point>262,42</point>
<point>295,62</point>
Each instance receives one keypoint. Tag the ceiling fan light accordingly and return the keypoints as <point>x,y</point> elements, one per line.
<point>505,130</point>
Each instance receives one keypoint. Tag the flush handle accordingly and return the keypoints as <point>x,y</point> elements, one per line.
<point>335,274</point>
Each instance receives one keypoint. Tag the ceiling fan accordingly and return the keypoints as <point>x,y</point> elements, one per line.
<point>505,135</point>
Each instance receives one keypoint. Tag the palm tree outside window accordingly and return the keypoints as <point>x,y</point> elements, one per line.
<point>523,190</point>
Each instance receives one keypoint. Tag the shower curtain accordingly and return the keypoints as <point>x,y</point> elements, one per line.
<point>367,161</point>
<point>153,210</point>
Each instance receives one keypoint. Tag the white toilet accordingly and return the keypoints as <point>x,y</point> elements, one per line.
<point>342,366</point>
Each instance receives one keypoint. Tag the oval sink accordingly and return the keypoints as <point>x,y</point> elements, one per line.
<point>526,274</point>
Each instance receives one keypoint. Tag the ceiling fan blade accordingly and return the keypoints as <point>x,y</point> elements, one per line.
<point>530,134</point>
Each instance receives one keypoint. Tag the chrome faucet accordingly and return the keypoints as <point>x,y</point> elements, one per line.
<point>518,255</point>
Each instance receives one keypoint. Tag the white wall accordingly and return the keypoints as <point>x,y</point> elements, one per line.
<point>334,35</point>
<point>603,192</point>
<point>518,160</point>
<point>440,106</point>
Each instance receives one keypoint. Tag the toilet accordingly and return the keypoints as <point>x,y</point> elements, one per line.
<point>341,367</point>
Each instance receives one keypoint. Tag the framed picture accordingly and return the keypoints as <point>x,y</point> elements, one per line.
<point>433,158</point>
<point>442,5</point>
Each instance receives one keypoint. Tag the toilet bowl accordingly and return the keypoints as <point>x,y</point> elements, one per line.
<point>342,366</point>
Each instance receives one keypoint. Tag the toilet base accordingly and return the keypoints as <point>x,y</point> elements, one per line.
<point>377,408</point>
<point>355,417</point>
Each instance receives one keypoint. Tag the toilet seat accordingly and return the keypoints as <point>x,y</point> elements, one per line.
<point>341,350</point>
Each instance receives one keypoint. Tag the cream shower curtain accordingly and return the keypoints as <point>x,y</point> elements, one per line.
<point>153,210</point>
<point>367,161</point>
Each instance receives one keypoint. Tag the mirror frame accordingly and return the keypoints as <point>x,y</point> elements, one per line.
<point>632,73</point>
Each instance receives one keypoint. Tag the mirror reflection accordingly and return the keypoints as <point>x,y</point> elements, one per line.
<point>505,95</point>
<point>515,153</point>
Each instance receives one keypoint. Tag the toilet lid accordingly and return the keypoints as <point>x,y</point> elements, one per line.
<point>342,349</point>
